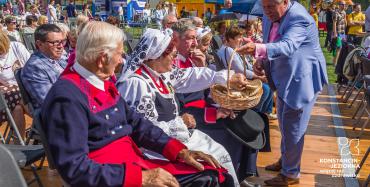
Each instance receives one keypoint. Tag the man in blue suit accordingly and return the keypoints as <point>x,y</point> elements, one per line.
<point>294,64</point>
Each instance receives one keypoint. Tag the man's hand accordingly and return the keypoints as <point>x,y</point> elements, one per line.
<point>238,81</point>
<point>262,78</point>
<point>224,113</point>
<point>189,120</point>
<point>191,157</point>
<point>258,68</point>
<point>158,177</point>
<point>198,58</point>
<point>249,49</point>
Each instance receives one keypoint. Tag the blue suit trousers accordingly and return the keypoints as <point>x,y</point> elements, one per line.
<point>293,125</point>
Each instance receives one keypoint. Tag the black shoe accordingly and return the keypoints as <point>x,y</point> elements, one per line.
<point>246,183</point>
<point>274,167</point>
<point>281,180</point>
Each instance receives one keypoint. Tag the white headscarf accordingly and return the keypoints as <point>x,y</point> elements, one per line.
<point>201,32</point>
<point>151,46</point>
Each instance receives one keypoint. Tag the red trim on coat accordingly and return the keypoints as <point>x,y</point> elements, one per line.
<point>133,175</point>
<point>172,149</point>
<point>98,100</point>
<point>196,104</point>
<point>210,115</point>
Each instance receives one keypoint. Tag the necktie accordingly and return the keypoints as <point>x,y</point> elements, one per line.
<point>274,35</point>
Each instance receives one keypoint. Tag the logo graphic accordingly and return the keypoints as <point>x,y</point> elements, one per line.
<point>346,145</point>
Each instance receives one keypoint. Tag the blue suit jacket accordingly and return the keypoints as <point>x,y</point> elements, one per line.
<point>296,66</point>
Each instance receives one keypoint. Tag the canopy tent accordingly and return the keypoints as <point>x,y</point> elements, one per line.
<point>251,7</point>
<point>134,7</point>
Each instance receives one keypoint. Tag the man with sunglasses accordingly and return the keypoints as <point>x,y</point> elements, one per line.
<point>45,64</point>
<point>11,29</point>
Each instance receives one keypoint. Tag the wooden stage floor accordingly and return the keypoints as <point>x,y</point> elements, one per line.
<point>320,149</point>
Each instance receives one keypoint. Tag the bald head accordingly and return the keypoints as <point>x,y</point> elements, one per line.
<point>198,22</point>
<point>275,9</point>
<point>168,21</point>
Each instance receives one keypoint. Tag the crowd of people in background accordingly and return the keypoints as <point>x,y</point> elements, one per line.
<point>343,22</point>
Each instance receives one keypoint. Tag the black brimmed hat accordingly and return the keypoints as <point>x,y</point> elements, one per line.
<point>248,127</point>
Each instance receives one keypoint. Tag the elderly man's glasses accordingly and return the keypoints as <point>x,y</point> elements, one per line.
<point>57,42</point>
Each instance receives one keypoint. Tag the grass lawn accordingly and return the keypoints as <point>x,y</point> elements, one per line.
<point>329,61</point>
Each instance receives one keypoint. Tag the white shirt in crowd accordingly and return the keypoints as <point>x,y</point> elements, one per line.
<point>29,13</point>
<point>52,13</point>
<point>16,52</point>
<point>120,11</point>
<point>29,30</point>
<point>15,34</point>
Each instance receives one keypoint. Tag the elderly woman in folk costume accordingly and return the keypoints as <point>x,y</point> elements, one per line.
<point>148,84</point>
<point>93,135</point>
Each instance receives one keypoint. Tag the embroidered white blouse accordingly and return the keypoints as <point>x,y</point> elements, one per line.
<point>135,91</point>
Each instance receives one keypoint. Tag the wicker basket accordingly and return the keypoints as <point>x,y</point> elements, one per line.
<point>237,100</point>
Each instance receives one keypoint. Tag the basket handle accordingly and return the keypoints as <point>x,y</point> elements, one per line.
<point>228,71</point>
<point>244,65</point>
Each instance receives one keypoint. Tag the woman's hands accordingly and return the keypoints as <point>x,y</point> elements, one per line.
<point>189,120</point>
<point>191,157</point>
<point>224,113</point>
<point>238,81</point>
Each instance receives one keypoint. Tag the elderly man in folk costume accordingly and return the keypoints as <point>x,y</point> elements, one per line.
<point>149,82</point>
<point>94,135</point>
<point>208,117</point>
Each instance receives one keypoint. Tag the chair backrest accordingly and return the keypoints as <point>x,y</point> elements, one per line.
<point>218,62</point>
<point>29,41</point>
<point>12,38</point>
<point>131,42</point>
<point>37,124</point>
<point>11,175</point>
<point>363,39</point>
<point>216,42</point>
<point>365,65</point>
<point>25,96</point>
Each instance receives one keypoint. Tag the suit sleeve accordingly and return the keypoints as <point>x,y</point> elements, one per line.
<point>293,37</point>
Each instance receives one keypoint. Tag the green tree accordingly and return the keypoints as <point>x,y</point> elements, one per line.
<point>305,3</point>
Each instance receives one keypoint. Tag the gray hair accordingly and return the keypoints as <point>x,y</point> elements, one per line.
<point>97,38</point>
<point>167,17</point>
<point>279,1</point>
<point>81,19</point>
<point>183,25</point>
<point>63,27</point>
<point>197,20</point>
